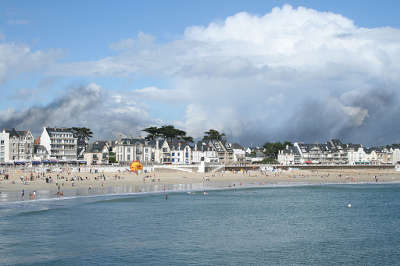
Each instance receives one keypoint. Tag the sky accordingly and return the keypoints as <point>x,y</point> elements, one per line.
<point>256,70</point>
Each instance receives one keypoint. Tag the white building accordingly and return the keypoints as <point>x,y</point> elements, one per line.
<point>60,143</point>
<point>358,156</point>
<point>4,147</point>
<point>181,153</point>
<point>16,145</point>
<point>396,156</point>
<point>130,149</point>
<point>239,155</point>
<point>289,156</point>
<point>40,153</point>
<point>204,152</point>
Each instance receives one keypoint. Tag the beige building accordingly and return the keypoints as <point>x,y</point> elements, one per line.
<point>97,153</point>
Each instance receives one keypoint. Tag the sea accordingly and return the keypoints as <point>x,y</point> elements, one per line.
<point>357,224</point>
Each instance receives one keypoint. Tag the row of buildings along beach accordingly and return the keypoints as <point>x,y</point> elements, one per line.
<point>61,145</point>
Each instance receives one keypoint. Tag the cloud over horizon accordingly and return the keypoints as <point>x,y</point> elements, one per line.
<point>83,106</point>
<point>294,73</point>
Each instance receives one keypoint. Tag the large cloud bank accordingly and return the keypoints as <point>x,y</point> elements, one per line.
<point>84,106</point>
<point>295,74</point>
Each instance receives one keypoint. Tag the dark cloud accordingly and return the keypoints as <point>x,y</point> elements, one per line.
<point>88,106</point>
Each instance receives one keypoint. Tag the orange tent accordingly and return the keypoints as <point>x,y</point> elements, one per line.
<point>136,166</point>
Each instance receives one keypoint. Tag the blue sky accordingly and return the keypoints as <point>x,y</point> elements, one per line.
<point>124,47</point>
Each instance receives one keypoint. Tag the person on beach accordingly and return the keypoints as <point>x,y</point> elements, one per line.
<point>23,194</point>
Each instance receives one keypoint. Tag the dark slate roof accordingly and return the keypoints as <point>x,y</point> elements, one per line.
<point>291,150</point>
<point>175,144</point>
<point>201,146</point>
<point>97,146</point>
<point>37,147</point>
<point>219,146</point>
<point>15,133</point>
<point>131,141</point>
<point>237,146</point>
<point>52,130</point>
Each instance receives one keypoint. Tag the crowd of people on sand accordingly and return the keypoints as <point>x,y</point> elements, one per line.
<point>59,178</point>
<point>66,177</point>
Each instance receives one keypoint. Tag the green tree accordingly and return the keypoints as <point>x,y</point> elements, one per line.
<point>152,132</point>
<point>213,134</point>
<point>271,149</point>
<point>112,157</point>
<point>188,139</point>
<point>269,161</point>
<point>168,132</point>
<point>82,133</point>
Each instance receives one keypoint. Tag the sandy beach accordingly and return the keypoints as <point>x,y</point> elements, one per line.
<point>69,183</point>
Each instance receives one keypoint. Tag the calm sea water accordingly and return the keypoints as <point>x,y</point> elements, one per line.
<point>268,226</point>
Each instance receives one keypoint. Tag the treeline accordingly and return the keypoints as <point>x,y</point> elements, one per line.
<point>170,133</point>
<point>271,149</point>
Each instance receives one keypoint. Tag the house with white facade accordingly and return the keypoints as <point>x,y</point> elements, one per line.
<point>289,156</point>
<point>4,147</point>
<point>203,152</point>
<point>181,153</point>
<point>172,152</point>
<point>134,149</point>
<point>40,153</point>
<point>396,156</point>
<point>60,143</point>
<point>358,156</point>
<point>16,145</point>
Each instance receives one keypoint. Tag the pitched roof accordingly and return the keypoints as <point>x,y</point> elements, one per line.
<point>38,147</point>
<point>130,141</point>
<point>16,133</point>
<point>178,144</point>
<point>97,146</point>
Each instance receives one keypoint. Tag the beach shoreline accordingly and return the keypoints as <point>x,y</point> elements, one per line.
<point>26,185</point>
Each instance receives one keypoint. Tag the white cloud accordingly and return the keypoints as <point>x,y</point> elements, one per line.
<point>254,73</point>
<point>16,59</point>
